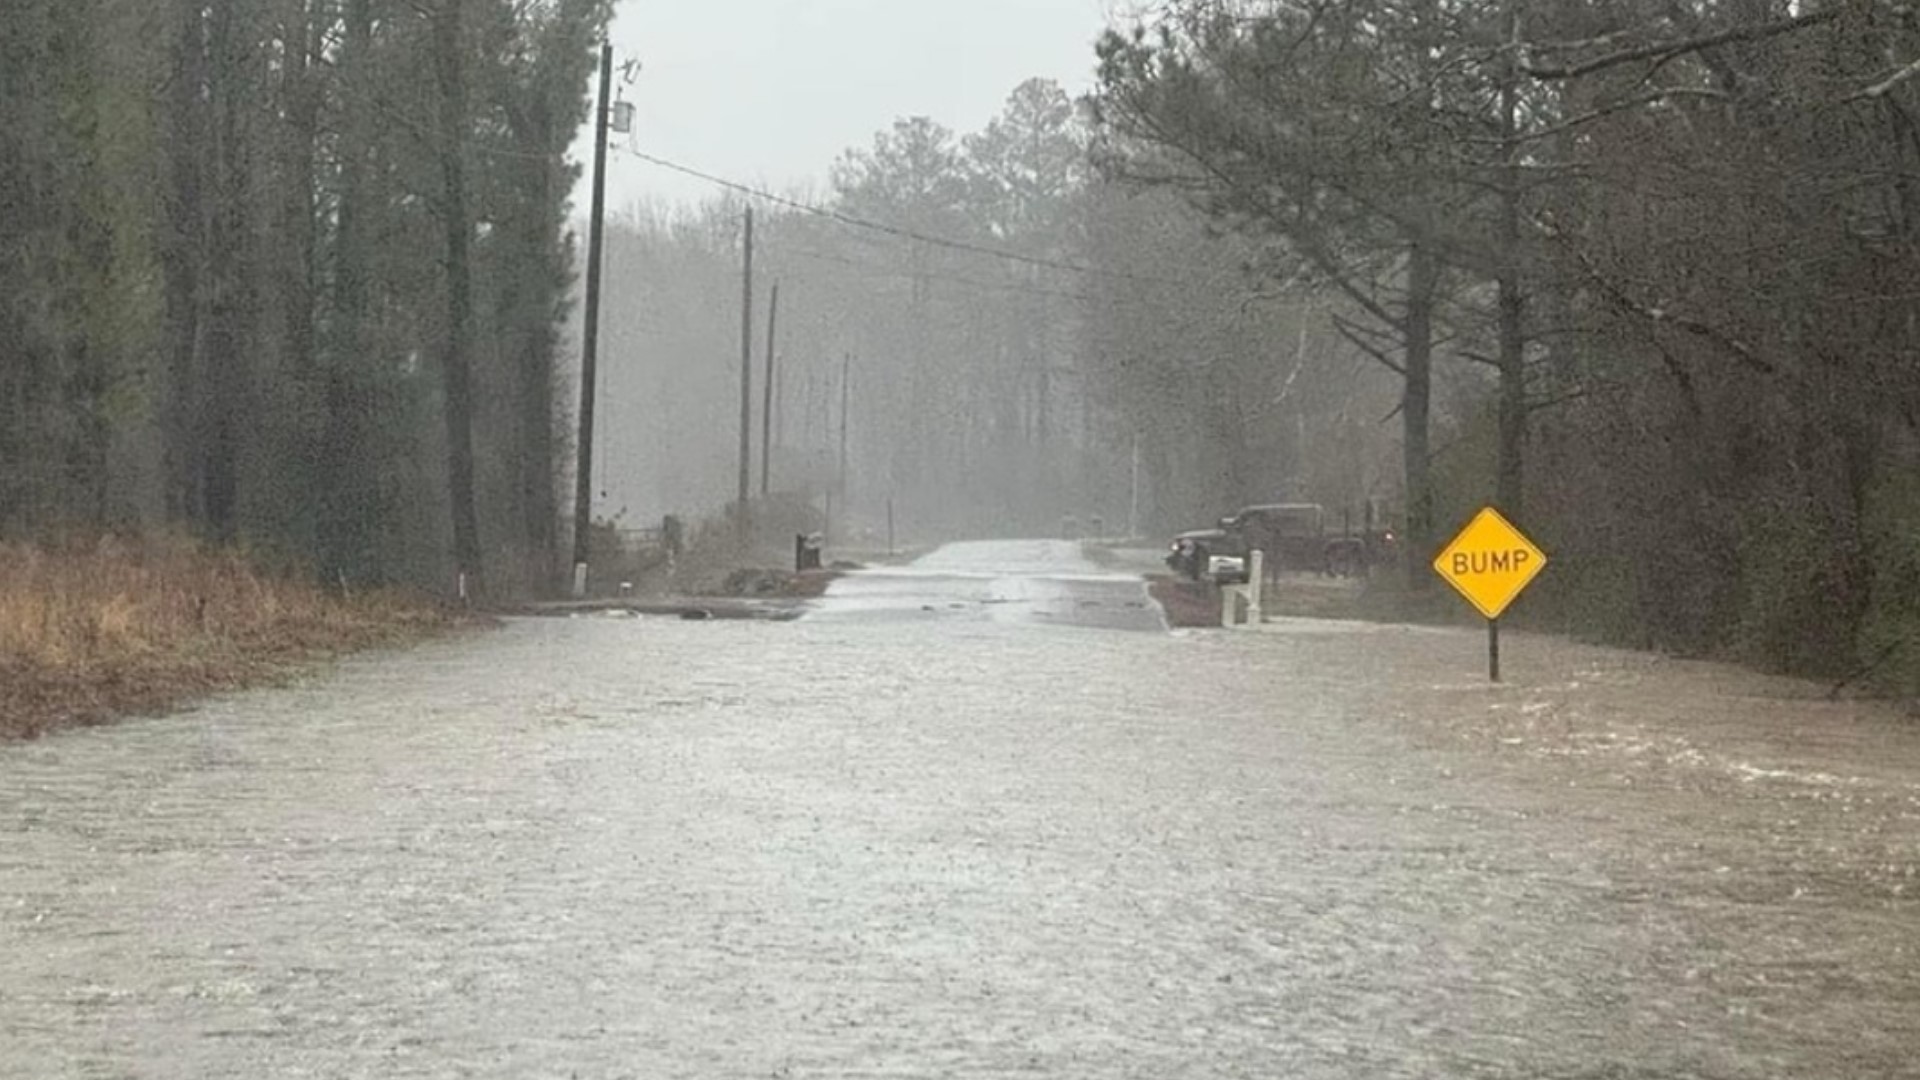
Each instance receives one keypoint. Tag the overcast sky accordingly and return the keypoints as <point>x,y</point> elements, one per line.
<point>771,91</point>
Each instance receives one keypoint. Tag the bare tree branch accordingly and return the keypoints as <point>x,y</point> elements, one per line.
<point>1368,347</point>
<point>1885,86</point>
<point>1605,111</point>
<point>1559,399</point>
<point>1663,50</point>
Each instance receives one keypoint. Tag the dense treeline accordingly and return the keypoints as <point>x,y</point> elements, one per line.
<point>1018,332</point>
<point>1677,240</point>
<point>291,273</point>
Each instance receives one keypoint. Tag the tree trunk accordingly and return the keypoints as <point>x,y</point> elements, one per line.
<point>539,504</point>
<point>300,383</point>
<point>348,498</point>
<point>232,305</point>
<point>456,363</point>
<point>183,249</point>
<point>1416,405</point>
<point>302,43</point>
<point>1510,485</point>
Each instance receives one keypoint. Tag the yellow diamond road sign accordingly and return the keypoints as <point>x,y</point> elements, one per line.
<point>1490,562</point>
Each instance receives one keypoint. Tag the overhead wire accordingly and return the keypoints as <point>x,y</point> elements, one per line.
<point>850,220</point>
<point>896,231</point>
<point>879,271</point>
<point>874,270</point>
<point>857,222</point>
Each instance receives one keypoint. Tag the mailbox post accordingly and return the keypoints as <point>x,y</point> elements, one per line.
<point>806,552</point>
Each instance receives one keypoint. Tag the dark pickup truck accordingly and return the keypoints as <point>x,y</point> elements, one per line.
<point>1294,537</point>
<point>1190,552</point>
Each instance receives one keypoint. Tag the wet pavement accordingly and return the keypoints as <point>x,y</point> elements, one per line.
<point>884,841</point>
<point>1034,582</point>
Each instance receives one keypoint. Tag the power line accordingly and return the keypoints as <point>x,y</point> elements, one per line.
<point>888,272</point>
<point>879,271</point>
<point>839,217</point>
<point>873,270</point>
<point>853,221</point>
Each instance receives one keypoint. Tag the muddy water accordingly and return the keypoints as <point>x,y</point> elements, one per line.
<point>606,848</point>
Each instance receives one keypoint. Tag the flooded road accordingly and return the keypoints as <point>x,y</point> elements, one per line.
<point>890,842</point>
<point>1034,582</point>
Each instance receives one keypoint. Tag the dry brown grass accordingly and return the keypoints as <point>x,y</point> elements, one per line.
<point>96,631</point>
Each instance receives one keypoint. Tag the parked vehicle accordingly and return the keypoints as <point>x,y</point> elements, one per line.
<point>1293,536</point>
<point>1190,552</point>
<point>1301,538</point>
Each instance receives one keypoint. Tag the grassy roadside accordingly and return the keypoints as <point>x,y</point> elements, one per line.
<point>87,635</point>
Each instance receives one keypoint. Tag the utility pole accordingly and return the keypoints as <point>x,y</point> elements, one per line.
<point>1043,401</point>
<point>766,406</point>
<point>782,406</point>
<point>808,436</point>
<point>590,343</point>
<point>1133,502</point>
<point>846,371</point>
<point>746,372</point>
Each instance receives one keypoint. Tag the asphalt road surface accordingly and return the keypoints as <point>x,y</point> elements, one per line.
<point>900,838</point>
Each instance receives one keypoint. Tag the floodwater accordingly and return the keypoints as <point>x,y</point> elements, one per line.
<point>1030,582</point>
<point>918,844</point>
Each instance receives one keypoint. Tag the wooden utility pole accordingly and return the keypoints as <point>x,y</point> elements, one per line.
<point>782,406</point>
<point>590,341</point>
<point>808,436</point>
<point>746,371</point>
<point>766,393</point>
<point>1133,492</point>
<point>846,371</point>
